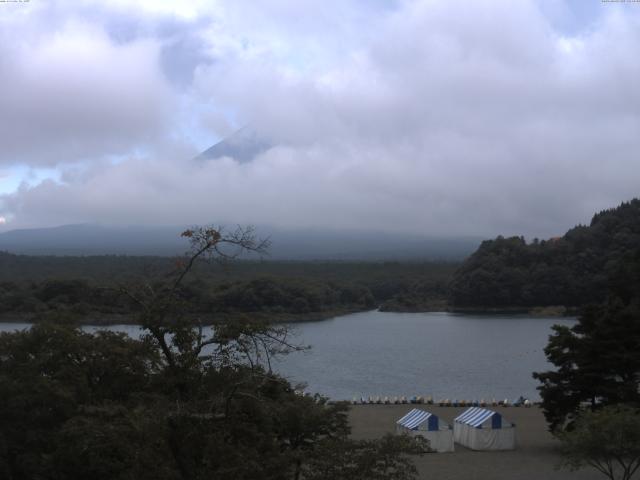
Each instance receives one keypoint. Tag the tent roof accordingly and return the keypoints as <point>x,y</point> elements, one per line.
<point>475,416</point>
<point>414,418</point>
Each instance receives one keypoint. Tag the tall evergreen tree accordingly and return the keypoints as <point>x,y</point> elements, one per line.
<point>598,359</point>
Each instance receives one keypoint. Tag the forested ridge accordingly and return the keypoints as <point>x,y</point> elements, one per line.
<point>572,270</point>
<point>89,288</point>
<point>505,273</point>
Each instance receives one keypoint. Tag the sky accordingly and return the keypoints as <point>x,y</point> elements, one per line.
<point>425,117</point>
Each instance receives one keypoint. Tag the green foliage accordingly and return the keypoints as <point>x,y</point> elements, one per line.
<point>50,374</point>
<point>572,270</point>
<point>33,288</point>
<point>426,294</point>
<point>598,359</point>
<point>175,404</point>
<point>287,295</point>
<point>75,405</point>
<point>607,440</point>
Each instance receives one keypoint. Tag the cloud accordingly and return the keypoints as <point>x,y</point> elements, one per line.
<point>74,94</point>
<point>425,117</point>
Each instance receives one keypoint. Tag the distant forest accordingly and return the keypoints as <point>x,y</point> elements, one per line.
<point>572,271</point>
<point>40,287</point>
<point>504,274</point>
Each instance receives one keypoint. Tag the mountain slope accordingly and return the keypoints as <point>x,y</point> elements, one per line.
<point>287,244</point>
<point>243,146</point>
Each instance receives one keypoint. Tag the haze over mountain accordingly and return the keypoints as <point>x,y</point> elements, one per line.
<point>243,146</point>
<point>416,117</point>
<point>286,244</point>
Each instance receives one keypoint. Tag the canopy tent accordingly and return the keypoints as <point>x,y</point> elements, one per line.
<point>481,429</point>
<point>429,426</point>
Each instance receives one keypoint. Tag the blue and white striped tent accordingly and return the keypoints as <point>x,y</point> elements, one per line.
<point>419,420</point>
<point>482,429</point>
<point>429,426</point>
<point>476,416</point>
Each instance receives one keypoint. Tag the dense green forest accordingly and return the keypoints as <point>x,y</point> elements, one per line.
<point>90,287</point>
<point>572,271</point>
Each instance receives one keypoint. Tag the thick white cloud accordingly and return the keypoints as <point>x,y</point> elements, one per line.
<point>441,117</point>
<point>73,94</point>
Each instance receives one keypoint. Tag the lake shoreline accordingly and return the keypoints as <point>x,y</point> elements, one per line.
<point>110,319</point>
<point>99,319</point>
<point>539,311</point>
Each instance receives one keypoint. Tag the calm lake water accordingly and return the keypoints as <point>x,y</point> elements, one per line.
<point>439,354</point>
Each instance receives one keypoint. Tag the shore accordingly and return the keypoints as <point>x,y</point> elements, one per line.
<point>107,319</point>
<point>535,457</point>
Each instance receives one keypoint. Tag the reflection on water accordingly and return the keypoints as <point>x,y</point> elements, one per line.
<point>439,354</point>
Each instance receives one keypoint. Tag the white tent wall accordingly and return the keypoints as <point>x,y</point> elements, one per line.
<point>418,422</point>
<point>482,429</point>
<point>441,441</point>
<point>485,438</point>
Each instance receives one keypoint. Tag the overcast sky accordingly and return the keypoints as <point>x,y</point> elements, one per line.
<point>436,117</point>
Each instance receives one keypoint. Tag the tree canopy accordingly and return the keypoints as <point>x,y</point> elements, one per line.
<point>597,360</point>
<point>573,270</point>
<point>607,440</point>
<point>34,288</point>
<point>177,403</point>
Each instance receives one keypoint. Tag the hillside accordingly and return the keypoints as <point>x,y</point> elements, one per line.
<point>572,271</point>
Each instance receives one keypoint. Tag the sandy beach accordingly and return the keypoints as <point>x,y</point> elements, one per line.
<point>535,457</point>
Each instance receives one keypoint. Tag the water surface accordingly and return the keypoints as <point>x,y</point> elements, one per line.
<point>439,354</point>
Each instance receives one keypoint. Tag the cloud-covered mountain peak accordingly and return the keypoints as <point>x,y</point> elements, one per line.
<point>243,146</point>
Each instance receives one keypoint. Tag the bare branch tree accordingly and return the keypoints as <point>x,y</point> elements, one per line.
<point>182,341</point>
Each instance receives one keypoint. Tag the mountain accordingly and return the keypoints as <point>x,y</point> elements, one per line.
<point>94,240</point>
<point>243,146</point>
<point>287,244</point>
<point>573,270</point>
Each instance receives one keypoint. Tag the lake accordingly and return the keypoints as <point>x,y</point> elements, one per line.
<point>439,354</point>
<point>444,355</point>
